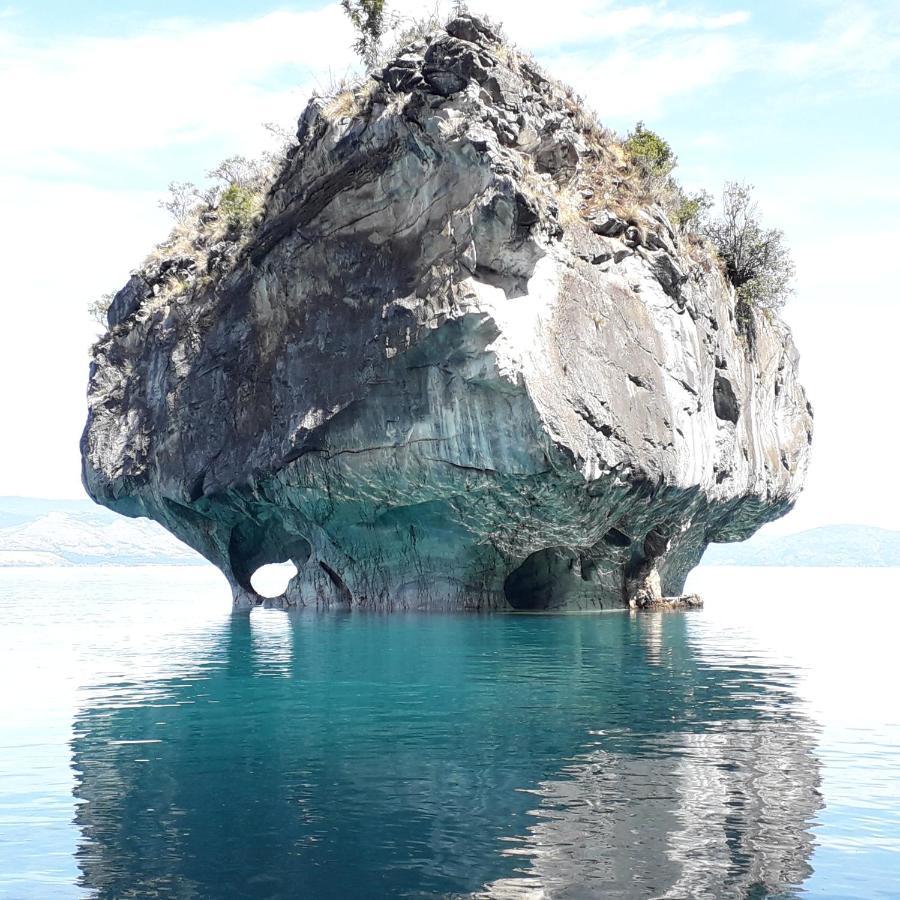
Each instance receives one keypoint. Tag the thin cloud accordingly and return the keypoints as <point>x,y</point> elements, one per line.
<point>169,86</point>
<point>585,21</point>
<point>180,82</point>
<point>637,81</point>
<point>860,40</point>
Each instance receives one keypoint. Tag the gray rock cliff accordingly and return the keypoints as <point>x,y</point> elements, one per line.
<point>450,367</point>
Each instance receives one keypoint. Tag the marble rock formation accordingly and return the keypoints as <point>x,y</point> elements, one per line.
<point>447,369</point>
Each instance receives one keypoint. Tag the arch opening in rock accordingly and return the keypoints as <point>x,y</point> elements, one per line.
<point>256,543</point>
<point>271,580</point>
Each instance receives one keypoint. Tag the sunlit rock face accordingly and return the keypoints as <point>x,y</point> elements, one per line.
<point>442,375</point>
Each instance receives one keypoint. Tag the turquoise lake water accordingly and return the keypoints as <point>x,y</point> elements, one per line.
<point>155,745</point>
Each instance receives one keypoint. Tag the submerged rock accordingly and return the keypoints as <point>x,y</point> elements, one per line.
<point>449,368</point>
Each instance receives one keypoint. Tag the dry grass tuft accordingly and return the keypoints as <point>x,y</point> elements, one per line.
<point>350,101</point>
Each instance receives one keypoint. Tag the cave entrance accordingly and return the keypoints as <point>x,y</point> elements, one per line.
<point>542,581</point>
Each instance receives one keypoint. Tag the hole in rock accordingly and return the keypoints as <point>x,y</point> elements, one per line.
<point>258,542</point>
<point>725,402</point>
<point>616,538</point>
<point>541,581</point>
<point>655,543</point>
<point>271,580</point>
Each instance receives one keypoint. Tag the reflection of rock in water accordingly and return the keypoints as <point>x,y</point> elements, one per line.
<point>341,757</point>
<point>719,813</point>
<point>730,819</point>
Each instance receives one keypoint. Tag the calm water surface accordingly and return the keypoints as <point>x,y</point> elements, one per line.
<point>154,745</point>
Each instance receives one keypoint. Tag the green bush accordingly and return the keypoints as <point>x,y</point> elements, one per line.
<point>650,151</point>
<point>691,209</point>
<point>238,206</point>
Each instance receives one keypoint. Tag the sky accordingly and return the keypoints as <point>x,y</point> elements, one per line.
<point>101,110</point>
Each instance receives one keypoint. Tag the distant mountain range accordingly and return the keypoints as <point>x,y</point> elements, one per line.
<point>830,545</point>
<point>36,532</point>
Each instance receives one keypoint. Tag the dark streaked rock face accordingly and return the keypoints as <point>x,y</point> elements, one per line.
<point>431,381</point>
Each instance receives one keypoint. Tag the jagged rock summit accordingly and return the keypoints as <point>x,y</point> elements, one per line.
<point>457,363</point>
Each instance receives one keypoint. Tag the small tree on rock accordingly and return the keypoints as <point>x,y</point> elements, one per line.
<point>97,308</point>
<point>183,199</point>
<point>368,18</point>
<point>690,210</point>
<point>757,259</point>
<point>653,162</point>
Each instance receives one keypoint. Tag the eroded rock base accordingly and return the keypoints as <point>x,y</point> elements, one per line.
<point>688,601</point>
